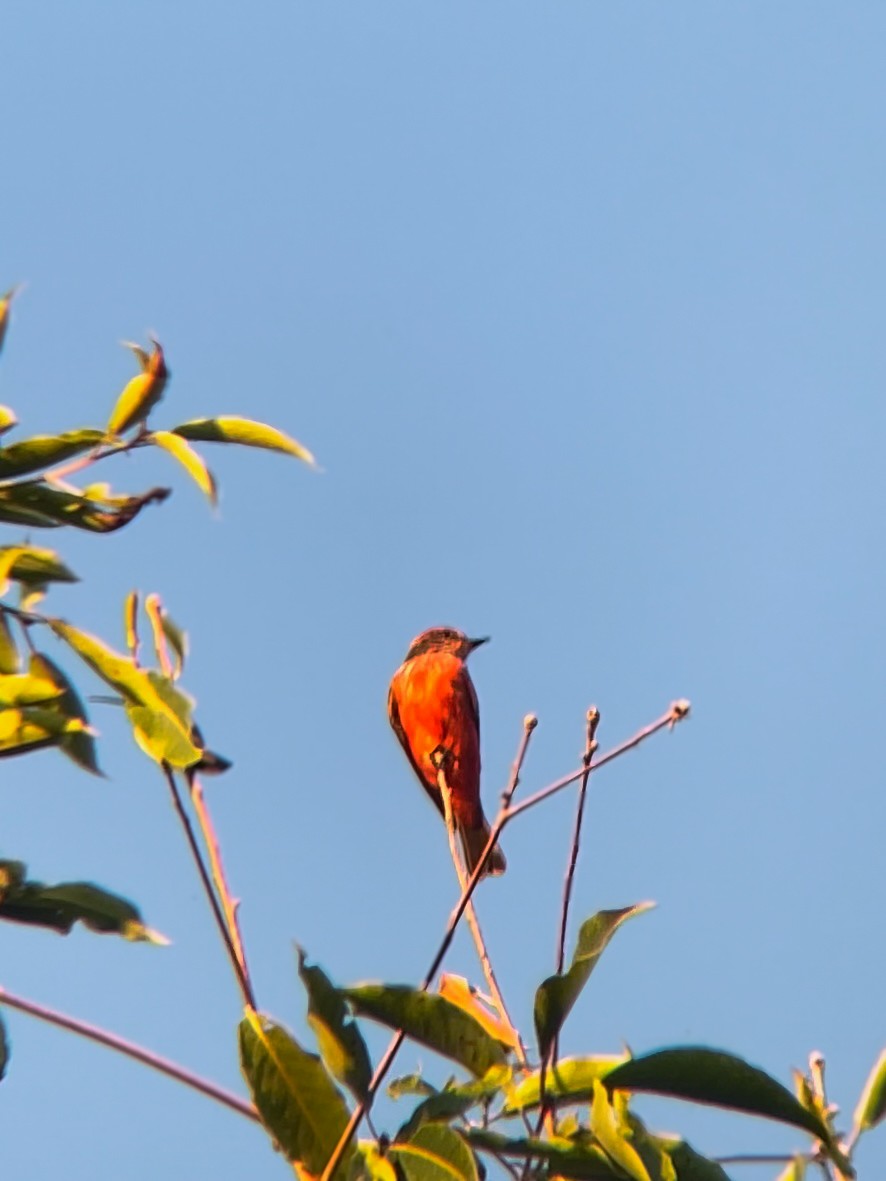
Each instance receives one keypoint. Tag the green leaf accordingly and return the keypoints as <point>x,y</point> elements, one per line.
<point>25,689</point>
<point>338,1038</point>
<point>159,713</point>
<point>430,1020</point>
<point>556,995</point>
<point>710,1076</point>
<point>454,1101</point>
<point>60,907</point>
<point>79,744</point>
<point>297,1100</point>
<point>10,662</point>
<point>611,1137</point>
<point>435,1153</point>
<point>43,451</point>
<point>28,728</point>
<point>369,1162</point>
<point>32,564</point>
<point>872,1104</point>
<point>568,1081</point>
<point>230,429</point>
<point>795,1171</point>
<point>44,506</point>
<point>566,1158</point>
<point>190,460</point>
<point>409,1084</point>
<point>7,419</point>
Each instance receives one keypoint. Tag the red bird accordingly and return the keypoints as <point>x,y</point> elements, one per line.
<point>432,707</point>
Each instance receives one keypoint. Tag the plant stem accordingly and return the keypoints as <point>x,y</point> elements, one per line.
<point>114,1042</point>
<point>241,977</point>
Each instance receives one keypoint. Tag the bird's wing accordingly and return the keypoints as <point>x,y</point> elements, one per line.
<point>397,727</point>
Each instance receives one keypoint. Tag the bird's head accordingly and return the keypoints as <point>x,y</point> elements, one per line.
<point>444,639</point>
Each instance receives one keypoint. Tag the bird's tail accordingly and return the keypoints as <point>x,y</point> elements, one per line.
<point>473,842</point>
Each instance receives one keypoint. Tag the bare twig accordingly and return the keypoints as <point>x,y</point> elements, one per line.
<point>242,979</point>
<point>229,904</point>
<point>593,719</point>
<point>131,1050</point>
<point>474,923</point>
<point>58,475</point>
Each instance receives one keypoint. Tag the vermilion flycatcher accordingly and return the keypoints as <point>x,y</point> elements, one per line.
<point>432,706</point>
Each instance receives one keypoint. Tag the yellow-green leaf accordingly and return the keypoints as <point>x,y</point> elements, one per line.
<point>26,689</point>
<point>190,460</point>
<point>339,1040</point>
<point>10,661</point>
<point>7,419</point>
<point>230,429</point>
<point>435,1152</point>
<point>130,623</point>
<point>872,1104</point>
<point>79,744</point>
<point>34,564</point>
<point>611,1138</point>
<point>568,1081</point>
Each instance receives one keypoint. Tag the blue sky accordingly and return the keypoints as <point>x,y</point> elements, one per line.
<point>580,307</point>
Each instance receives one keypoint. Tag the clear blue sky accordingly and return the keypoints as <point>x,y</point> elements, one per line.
<point>580,307</point>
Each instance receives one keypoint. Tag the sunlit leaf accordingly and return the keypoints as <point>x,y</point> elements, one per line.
<point>130,624</point>
<point>142,393</point>
<point>457,990</point>
<point>338,1038</point>
<point>556,995</point>
<point>431,1020</point>
<point>29,728</point>
<point>456,1100</point>
<point>230,429</point>
<point>568,1081</point>
<point>369,1162</point>
<point>26,689</point>
<point>10,662</point>
<point>44,451</point>
<point>715,1077</point>
<point>794,1171</point>
<point>7,419</point>
<point>611,1137</point>
<point>160,714</point>
<point>297,1100</point>
<point>190,460</point>
<point>872,1104</point>
<point>409,1084</point>
<point>35,564</point>
<point>60,907</point>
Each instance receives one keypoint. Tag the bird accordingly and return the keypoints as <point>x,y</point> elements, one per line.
<point>433,710</point>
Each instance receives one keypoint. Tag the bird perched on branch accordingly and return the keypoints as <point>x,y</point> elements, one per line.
<point>432,707</point>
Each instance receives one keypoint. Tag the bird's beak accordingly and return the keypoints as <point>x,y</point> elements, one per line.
<point>472,644</point>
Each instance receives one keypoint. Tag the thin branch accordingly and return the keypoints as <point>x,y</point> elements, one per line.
<point>474,923</point>
<point>242,979</point>
<point>229,904</point>
<point>677,712</point>
<point>114,1042</point>
<point>58,475</point>
<point>529,724</point>
<point>593,719</point>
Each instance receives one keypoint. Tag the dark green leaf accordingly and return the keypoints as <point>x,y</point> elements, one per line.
<point>4,1048</point>
<point>338,1038</point>
<point>79,744</point>
<point>297,1100</point>
<point>230,429</point>
<point>42,451</point>
<point>431,1020</point>
<point>713,1076</point>
<point>557,994</point>
<point>565,1157</point>
<point>45,506</point>
<point>409,1084</point>
<point>454,1101</point>
<point>34,565</point>
<point>435,1152</point>
<point>692,1166</point>
<point>872,1104</point>
<point>60,907</point>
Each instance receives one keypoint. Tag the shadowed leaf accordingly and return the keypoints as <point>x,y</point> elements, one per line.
<point>30,564</point>
<point>556,995</point>
<point>338,1038</point>
<point>454,1101</point>
<point>78,745</point>
<point>60,907</point>
<point>565,1158</point>
<point>230,429</point>
<point>297,1100</point>
<point>715,1077</point>
<point>431,1020</point>
<point>47,507</point>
